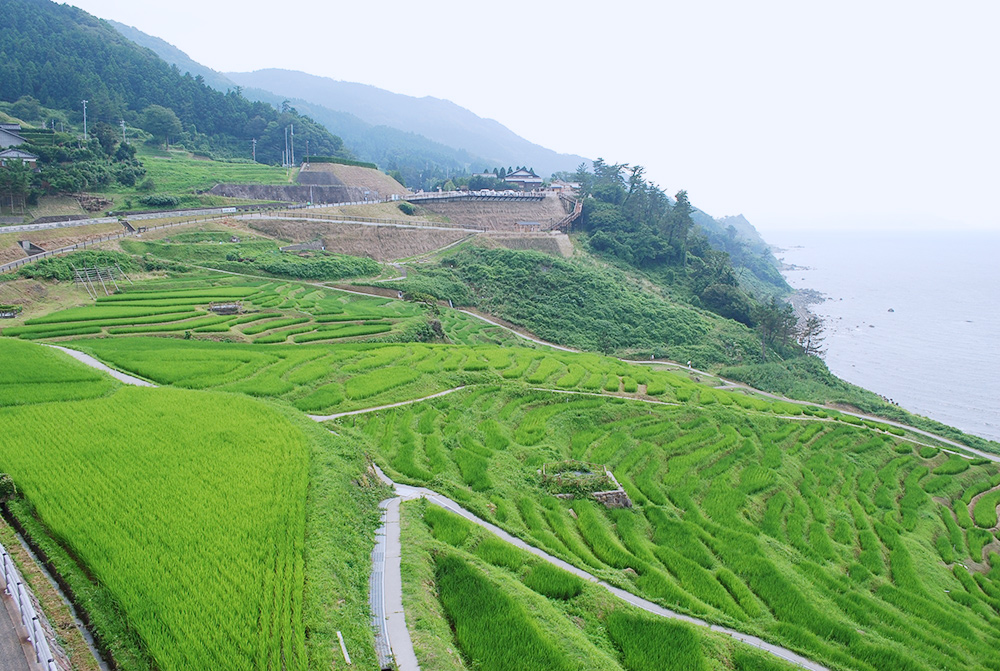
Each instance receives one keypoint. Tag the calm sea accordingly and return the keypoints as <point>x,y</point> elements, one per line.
<point>912,316</point>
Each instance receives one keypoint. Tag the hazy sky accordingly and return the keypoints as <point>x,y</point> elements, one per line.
<point>798,114</point>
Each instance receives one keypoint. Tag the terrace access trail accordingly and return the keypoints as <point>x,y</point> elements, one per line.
<point>396,625</point>
<point>323,418</point>
<point>94,363</point>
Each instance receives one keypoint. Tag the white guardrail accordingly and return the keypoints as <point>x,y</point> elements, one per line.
<point>30,619</point>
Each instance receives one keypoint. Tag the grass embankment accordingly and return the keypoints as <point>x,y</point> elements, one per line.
<point>179,180</point>
<point>579,304</point>
<point>56,611</point>
<point>179,520</point>
<point>823,537</point>
<point>257,256</point>
<point>180,172</point>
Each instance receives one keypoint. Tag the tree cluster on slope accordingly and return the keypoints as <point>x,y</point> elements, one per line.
<point>60,55</point>
<point>634,221</point>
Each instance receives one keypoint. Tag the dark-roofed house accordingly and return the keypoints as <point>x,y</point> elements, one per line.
<point>10,135</point>
<point>13,154</point>
<point>526,179</point>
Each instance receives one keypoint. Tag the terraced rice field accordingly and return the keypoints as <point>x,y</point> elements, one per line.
<point>841,542</point>
<point>179,518</point>
<point>494,606</point>
<point>272,312</point>
<point>841,538</point>
<point>337,378</point>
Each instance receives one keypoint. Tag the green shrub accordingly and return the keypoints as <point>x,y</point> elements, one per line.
<point>159,200</point>
<point>61,267</point>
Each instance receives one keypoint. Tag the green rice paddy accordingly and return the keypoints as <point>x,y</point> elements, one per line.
<point>815,535</point>
<point>858,544</point>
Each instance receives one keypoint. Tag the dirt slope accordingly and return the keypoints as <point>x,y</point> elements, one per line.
<point>382,243</point>
<point>334,174</point>
<point>499,215</point>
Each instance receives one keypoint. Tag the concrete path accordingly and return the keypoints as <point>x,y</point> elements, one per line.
<point>323,418</point>
<point>407,493</point>
<point>12,655</point>
<point>533,339</point>
<point>392,637</point>
<point>94,363</point>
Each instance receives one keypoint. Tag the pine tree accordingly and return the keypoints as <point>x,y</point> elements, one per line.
<point>811,336</point>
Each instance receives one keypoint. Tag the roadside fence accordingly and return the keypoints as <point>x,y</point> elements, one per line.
<point>13,585</point>
<point>341,219</point>
<point>93,241</point>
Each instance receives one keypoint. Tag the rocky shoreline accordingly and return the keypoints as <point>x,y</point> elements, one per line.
<point>801,299</point>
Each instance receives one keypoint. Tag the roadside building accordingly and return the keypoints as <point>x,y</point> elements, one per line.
<point>10,135</point>
<point>524,179</point>
<point>561,186</point>
<point>8,155</point>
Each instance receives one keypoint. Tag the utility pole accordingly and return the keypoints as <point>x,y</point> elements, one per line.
<point>254,143</point>
<point>307,150</point>
<point>123,131</point>
<point>293,145</point>
<point>284,157</point>
<point>84,120</point>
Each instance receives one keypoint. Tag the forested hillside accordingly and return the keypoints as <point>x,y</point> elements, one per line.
<point>632,220</point>
<point>59,55</point>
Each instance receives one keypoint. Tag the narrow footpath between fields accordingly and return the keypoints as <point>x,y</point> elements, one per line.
<point>94,363</point>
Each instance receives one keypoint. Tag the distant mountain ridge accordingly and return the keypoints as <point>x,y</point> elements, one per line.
<point>174,56</point>
<point>426,138</point>
<point>420,160</point>
<point>441,121</point>
<point>381,126</point>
